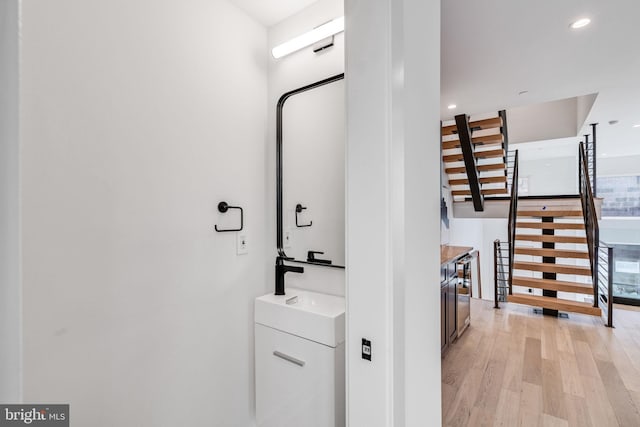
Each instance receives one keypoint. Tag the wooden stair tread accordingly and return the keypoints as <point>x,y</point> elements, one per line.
<point>494,122</point>
<point>551,225</point>
<point>552,268</point>
<point>557,253</point>
<point>556,239</point>
<point>486,154</point>
<point>550,212</point>
<point>553,285</point>
<point>555,304</point>
<point>484,140</point>
<point>453,158</point>
<point>491,167</point>
<point>481,168</point>
<point>484,191</point>
<point>458,169</point>
<point>483,180</point>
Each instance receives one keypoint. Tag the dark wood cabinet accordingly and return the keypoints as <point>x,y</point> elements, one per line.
<point>443,317</point>
<point>448,305</point>
<point>452,309</point>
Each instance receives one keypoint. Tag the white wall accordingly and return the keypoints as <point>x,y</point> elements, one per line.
<point>393,212</point>
<point>480,234</point>
<point>549,176</point>
<point>619,230</point>
<point>137,119</point>
<point>613,166</point>
<point>10,324</point>
<point>286,74</point>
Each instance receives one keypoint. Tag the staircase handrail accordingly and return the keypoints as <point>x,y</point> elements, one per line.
<point>590,219</point>
<point>604,284</point>
<point>513,214</point>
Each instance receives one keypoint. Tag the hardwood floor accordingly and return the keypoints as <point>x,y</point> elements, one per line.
<point>516,368</point>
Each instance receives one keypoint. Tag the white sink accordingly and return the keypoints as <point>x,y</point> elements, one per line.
<point>311,315</point>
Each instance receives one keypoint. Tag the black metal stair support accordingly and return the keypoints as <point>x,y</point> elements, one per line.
<point>549,260</point>
<point>505,134</point>
<point>464,134</point>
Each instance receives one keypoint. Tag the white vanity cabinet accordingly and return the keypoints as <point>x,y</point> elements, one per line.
<point>300,382</point>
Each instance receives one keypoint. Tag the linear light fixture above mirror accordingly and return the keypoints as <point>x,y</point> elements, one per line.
<point>329,29</point>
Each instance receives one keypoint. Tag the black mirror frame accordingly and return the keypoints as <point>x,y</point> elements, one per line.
<point>279,209</point>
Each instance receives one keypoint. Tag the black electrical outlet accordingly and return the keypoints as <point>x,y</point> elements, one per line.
<point>366,349</point>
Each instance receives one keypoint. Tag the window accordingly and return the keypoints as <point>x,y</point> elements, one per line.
<point>621,195</point>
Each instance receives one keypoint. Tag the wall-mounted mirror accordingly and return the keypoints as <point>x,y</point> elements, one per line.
<point>311,168</point>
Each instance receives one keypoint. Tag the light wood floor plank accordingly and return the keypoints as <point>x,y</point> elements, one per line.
<point>481,418</point>
<point>508,408</point>
<point>571,382</point>
<point>586,364</point>
<point>532,365</point>
<point>623,404</point>
<point>563,340</point>
<point>549,342</point>
<point>530,405</point>
<point>552,394</point>
<point>600,410</point>
<point>577,412</point>
<point>551,421</point>
<point>516,368</point>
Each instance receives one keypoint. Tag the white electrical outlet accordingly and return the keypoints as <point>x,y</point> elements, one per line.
<point>242,245</point>
<point>288,239</point>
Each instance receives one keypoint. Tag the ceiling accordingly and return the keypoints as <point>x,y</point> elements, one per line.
<point>494,49</point>
<point>270,12</point>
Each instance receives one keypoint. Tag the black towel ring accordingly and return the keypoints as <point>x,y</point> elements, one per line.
<point>223,207</point>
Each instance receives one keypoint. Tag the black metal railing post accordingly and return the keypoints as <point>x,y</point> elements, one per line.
<point>595,158</point>
<point>610,287</point>
<point>496,248</point>
<point>513,216</point>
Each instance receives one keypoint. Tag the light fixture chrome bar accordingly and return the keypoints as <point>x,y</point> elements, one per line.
<point>324,31</point>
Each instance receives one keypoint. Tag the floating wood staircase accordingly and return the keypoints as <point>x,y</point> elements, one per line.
<point>550,243</point>
<point>487,163</point>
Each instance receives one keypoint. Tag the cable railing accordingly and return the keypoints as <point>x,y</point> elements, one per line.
<point>513,214</point>
<point>591,157</point>
<point>590,218</point>
<point>503,252</point>
<point>501,270</point>
<point>604,283</point>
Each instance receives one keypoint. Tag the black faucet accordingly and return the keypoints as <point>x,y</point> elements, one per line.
<point>311,257</point>
<point>281,269</point>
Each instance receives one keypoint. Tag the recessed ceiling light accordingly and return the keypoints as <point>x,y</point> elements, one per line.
<point>451,106</point>
<point>636,126</point>
<point>581,23</point>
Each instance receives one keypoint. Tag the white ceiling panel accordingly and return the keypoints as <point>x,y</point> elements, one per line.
<point>270,12</point>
